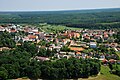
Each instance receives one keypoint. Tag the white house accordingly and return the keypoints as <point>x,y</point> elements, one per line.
<point>93,44</point>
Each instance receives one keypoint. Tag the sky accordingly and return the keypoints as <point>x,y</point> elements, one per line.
<point>51,5</point>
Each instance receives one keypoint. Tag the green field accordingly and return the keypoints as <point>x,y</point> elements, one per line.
<point>118,53</point>
<point>104,75</point>
<point>55,28</point>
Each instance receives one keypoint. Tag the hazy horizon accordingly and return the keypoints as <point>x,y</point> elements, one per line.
<point>56,5</point>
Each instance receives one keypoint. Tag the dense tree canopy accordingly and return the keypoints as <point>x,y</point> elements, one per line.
<point>16,63</point>
<point>6,40</point>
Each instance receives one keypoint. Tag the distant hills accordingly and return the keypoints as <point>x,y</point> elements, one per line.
<point>94,18</point>
<point>66,11</point>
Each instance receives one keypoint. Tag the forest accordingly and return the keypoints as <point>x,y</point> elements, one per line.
<point>93,19</point>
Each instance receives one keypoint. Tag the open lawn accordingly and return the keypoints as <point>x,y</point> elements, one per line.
<point>104,75</point>
<point>110,23</point>
<point>53,28</point>
<point>118,53</point>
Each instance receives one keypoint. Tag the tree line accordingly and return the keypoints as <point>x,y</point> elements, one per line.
<point>73,19</point>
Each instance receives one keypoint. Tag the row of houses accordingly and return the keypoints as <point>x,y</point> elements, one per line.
<point>94,35</point>
<point>62,39</point>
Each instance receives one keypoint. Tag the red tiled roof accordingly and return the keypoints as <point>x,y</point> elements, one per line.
<point>112,60</point>
<point>105,35</point>
<point>13,31</point>
<point>1,27</point>
<point>78,53</point>
<point>31,37</point>
<point>76,49</point>
<point>105,60</point>
<point>36,32</point>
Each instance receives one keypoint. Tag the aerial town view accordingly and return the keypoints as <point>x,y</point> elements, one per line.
<point>59,40</point>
